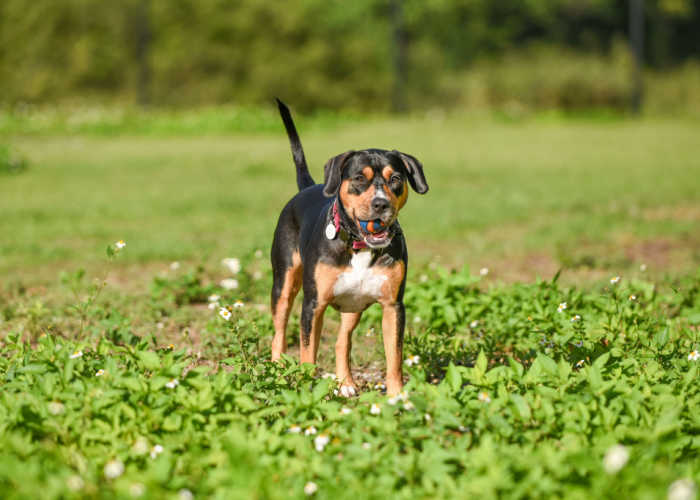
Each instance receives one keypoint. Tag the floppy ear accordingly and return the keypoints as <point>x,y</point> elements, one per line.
<point>415,172</point>
<point>332,173</point>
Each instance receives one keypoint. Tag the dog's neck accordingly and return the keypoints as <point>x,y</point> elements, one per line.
<point>344,226</point>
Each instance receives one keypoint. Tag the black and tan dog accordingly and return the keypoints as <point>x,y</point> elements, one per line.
<point>342,242</point>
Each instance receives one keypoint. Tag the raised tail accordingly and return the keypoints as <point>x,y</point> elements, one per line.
<point>304,178</point>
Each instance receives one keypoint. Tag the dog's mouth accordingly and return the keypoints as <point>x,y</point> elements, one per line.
<point>375,232</point>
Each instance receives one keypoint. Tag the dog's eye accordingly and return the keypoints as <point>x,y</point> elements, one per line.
<point>395,179</point>
<point>359,178</point>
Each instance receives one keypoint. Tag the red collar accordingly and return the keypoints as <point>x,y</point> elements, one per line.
<point>356,244</point>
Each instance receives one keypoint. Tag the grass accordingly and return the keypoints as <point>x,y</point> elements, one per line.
<point>519,391</point>
<point>510,397</point>
<point>578,194</point>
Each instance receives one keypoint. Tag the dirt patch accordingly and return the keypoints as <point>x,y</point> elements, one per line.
<point>663,253</point>
<point>683,213</point>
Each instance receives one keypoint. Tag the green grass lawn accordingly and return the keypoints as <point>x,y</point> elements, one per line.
<point>118,380</point>
<point>522,199</point>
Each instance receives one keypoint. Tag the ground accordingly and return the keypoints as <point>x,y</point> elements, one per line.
<point>527,345</point>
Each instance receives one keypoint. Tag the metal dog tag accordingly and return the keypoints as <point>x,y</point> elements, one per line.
<point>330,231</point>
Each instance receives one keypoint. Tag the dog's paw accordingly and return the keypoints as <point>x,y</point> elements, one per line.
<point>348,391</point>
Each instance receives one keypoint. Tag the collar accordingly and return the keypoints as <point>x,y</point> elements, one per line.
<point>344,234</point>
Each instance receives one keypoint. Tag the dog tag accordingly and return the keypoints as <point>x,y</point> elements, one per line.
<point>330,231</point>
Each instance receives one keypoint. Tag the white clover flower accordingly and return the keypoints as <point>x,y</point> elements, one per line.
<point>682,489</point>
<point>172,384</point>
<point>233,264</point>
<point>228,284</point>
<point>484,271</point>
<point>462,428</point>
<point>694,355</point>
<point>99,372</point>
<point>225,313</point>
<point>615,458</point>
<point>160,325</point>
<point>345,411</point>
<point>238,304</point>
<point>423,278</point>
<point>633,298</point>
<point>575,318</point>
<point>113,469</point>
<point>580,363</point>
<point>412,360</point>
<point>474,324</point>
<point>56,408</point>
<point>120,244</point>
<point>375,409</point>
<point>310,431</point>
<point>140,446</point>
<point>76,354</point>
<point>642,267</point>
<point>484,397</point>
<point>329,375</point>
<point>258,254</point>
<point>427,417</point>
<point>393,400</point>
<point>561,307</point>
<point>156,450</point>
<point>321,441</point>
<point>408,406</point>
<point>417,319</point>
<point>294,429</point>
<point>75,483</point>
<point>366,446</point>
<point>214,298</point>
<point>615,280</point>
<point>174,266</point>
<point>185,494</point>
<point>213,305</point>
<point>137,490</point>
<point>310,488</point>
<point>257,275</point>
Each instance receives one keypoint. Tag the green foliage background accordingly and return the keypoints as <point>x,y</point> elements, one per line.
<point>325,54</point>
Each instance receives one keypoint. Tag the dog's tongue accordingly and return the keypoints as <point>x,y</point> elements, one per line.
<point>378,236</point>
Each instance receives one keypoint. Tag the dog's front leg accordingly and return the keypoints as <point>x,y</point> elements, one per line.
<point>393,321</point>
<point>311,325</point>
<point>348,322</point>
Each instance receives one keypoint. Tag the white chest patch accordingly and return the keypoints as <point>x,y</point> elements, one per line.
<point>359,286</point>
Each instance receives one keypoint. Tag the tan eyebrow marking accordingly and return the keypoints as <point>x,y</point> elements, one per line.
<point>387,171</point>
<point>368,172</point>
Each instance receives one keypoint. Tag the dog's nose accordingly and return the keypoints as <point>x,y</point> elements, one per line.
<point>380,204</point>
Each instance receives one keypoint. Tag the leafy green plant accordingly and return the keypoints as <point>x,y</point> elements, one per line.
<point>11,162</point>
<point>514,391</point>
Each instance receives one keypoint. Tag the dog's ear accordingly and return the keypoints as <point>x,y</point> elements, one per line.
<point>333,172</point>
<point>416,178</point>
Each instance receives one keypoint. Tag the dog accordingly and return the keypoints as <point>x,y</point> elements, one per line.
<point>341,242</point>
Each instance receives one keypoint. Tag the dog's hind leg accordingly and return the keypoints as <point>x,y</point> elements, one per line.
<point>348,322</point>
<point>287,272</point>
<point>285,286</point>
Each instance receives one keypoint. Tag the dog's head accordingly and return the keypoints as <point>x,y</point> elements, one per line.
<point>372,185</point>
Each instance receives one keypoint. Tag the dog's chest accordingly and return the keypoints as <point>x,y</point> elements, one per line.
<point>358,286</point>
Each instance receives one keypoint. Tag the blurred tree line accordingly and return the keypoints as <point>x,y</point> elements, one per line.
<point>320,53</point>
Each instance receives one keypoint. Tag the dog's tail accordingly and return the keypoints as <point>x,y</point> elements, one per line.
<point>304,178</point>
